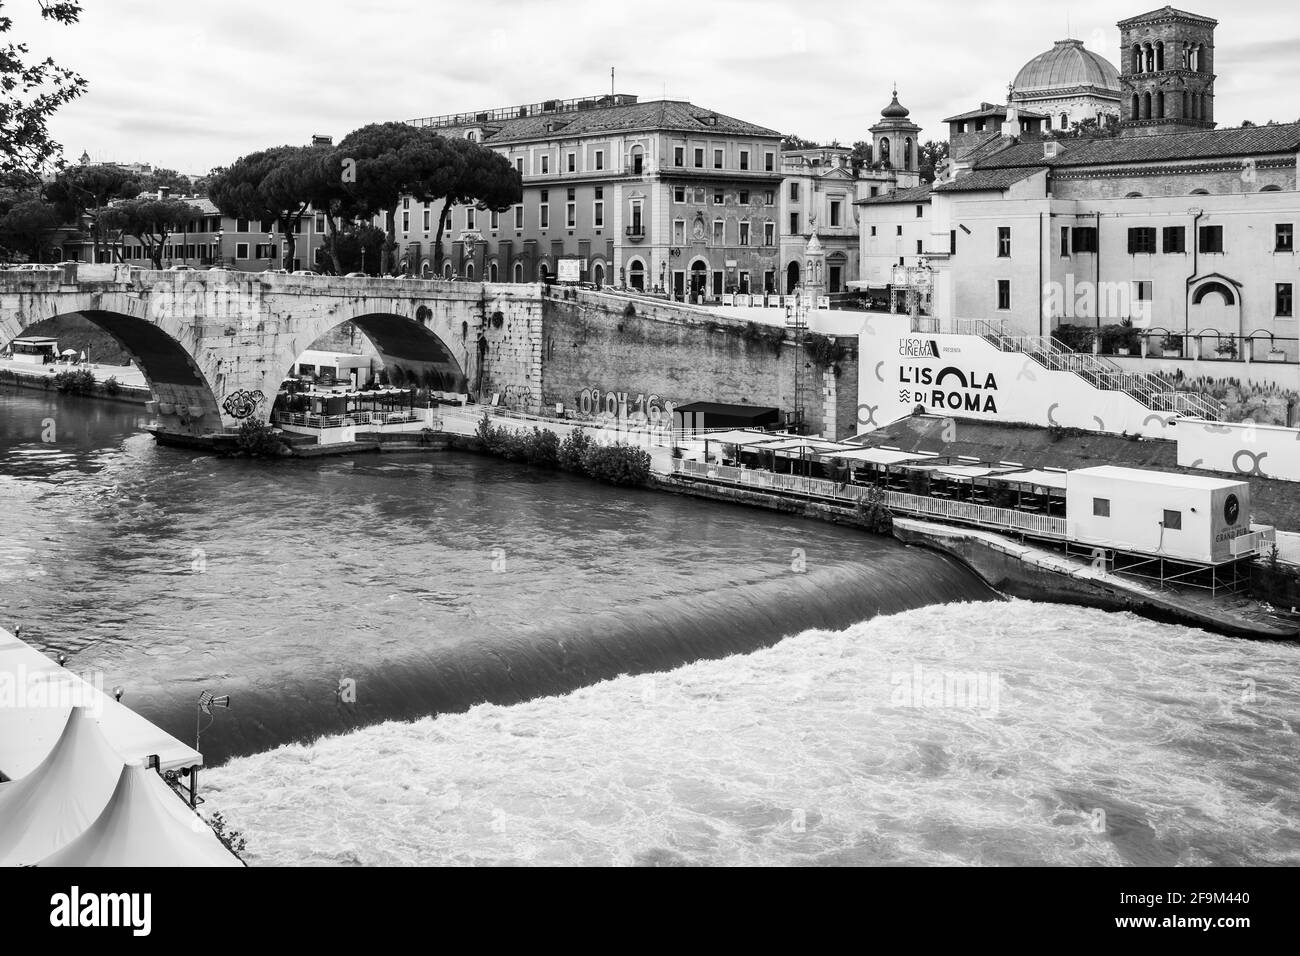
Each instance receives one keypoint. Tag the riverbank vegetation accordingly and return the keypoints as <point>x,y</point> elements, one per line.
<point>617,464</point>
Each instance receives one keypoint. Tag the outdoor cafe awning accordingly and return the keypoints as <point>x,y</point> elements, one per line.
<point>968,472</point>
<point>819,446</point>
<point>1036,477</point>
<point>741,436</point>
<point>880,456</point>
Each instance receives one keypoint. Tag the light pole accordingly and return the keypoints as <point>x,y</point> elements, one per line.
<point>270,251</point>
<point>220,251</point>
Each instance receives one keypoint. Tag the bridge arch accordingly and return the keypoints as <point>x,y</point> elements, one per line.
<point>179,382</point>
<point>219,344</point>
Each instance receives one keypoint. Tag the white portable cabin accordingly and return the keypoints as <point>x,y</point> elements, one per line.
<point>1183,517</point>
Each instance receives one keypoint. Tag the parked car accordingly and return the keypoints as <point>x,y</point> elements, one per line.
<point>275,272</point>
<point>356,275</point>
<point>303,272</point>
<point>181,269</point>
<point>35,267</point>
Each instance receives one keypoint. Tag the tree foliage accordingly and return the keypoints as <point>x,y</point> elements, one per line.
<point>482,177</point>
<point>29,226</point>
<point>930,155</point>
<point>31,92</point>
<point>87,191</point>
<point>273,185</point>
<point>150,220</point>
<point>166,178</point>
<point>791,141</point>
<point>1090,128</point>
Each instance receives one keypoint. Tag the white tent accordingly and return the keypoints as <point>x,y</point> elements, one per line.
<point>55,803</point>
<point>145,824</point>
<point>29,733</point>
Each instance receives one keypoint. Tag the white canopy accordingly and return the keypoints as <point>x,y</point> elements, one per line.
<point>967,472</point>
<point>55,803</point>
<point>881,456</point>
<point>144,824</point>
<point>740,436</point>
<point>798,443</point>
<point>28,733</point>
<point>1037,477</point>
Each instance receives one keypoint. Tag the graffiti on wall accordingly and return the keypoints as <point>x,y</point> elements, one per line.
<point>594,402</point>
<point>243,403</point>
<point>517,397</point>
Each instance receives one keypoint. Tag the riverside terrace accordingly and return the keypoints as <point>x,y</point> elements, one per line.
<point>1172,528</point>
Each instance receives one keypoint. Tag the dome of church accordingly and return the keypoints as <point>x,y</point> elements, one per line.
<point>895,109</point>
<point>1065,66</point>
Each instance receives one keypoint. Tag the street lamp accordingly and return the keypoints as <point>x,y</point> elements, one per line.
<point>220,251</point>
<point>270,250</point>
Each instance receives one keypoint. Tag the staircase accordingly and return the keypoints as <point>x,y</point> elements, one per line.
<point>1149,390</point>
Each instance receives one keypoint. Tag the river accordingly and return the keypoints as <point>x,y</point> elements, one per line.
<point>449,658</point>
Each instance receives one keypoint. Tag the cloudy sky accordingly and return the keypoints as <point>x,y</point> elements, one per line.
<point>190,86</point>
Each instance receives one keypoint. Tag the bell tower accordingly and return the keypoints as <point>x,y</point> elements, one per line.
<point>1166,77</point>
<point>896,144</point>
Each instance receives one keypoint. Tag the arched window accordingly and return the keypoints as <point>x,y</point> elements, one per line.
<point>492,271</point>
<point>907,153</point>
<point>519,272</point>
<point>1137,58</point>
<point>1065,121</point>
<point>1133,196</point>
<point>883,151</point>
<point>1229,298</point>
<point>1200,192</point>
<point>1270,188</point>
<point>471,136</point>
<point>1159,106</point>
<point>638,160</point>
<point>542,271</point>
<point>1160,55</point>
<point>636,274</point>
<point>446,270</point>
<point>598,275</point>
<point>1133,111</point>
<point>1187,104</point>
<point>469,270</point>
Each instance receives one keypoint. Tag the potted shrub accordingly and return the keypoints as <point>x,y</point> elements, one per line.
<point>1172,347</point>
<point>1275,354</point>
<point>1227,349</point>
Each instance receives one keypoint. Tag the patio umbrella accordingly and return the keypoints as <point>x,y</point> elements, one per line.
<point>68,352</point>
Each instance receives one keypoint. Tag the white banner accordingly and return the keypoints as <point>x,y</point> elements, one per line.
<point>1243,448</point>
<point>965,376</point>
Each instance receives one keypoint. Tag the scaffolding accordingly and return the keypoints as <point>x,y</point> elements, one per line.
<point>796,323</point>
<point>1229,576</point>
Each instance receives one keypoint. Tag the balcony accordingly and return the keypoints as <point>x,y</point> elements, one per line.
<point>634,233</point>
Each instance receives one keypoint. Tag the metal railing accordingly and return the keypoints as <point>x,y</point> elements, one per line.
<point>1256,542</point>
<point>1002,519</point>
<point>1148,390</point>
<point>359,419</point>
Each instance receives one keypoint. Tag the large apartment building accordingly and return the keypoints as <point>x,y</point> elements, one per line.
<point>656,195</point>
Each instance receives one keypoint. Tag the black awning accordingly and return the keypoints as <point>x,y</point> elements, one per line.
<point>695,415</point>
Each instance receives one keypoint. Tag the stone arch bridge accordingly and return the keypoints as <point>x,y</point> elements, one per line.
<point>215,345</point>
